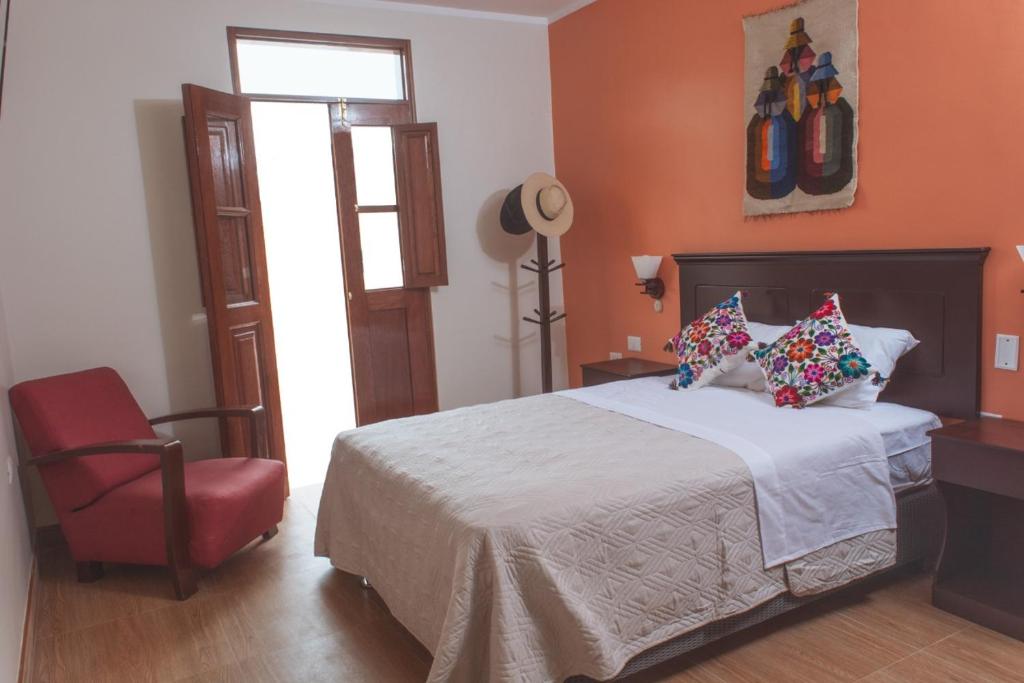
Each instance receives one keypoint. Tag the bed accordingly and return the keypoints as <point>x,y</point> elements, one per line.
<point>534,539</point>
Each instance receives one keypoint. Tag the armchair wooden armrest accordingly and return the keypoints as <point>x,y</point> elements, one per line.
<point>172,477</point>
<point>255,413</point>
<point>216,411</point>
<point>161,447</point>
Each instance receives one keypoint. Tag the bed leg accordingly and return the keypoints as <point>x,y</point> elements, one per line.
<point>365,582</point>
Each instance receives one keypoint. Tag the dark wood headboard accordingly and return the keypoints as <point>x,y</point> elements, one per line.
<point>934,293</point>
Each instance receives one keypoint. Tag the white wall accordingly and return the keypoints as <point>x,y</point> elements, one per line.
<point>15,554</point>
<point>97,253</point>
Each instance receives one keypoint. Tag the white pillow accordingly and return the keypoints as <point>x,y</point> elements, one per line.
<point>883,347</point>
<point>748,375</point>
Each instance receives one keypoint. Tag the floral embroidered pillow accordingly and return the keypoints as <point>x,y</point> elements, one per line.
<point>713,344</point>
<point>817,358</point>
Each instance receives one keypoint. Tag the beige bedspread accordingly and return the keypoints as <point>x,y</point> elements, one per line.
<point>535,539</point>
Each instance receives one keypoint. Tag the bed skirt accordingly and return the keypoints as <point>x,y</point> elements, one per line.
<point>920,524</point>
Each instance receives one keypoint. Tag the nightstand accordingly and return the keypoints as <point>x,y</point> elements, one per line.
<point>623,368</point>
<point>979,467</point>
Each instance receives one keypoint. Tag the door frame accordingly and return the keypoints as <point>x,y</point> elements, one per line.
<point>345,113</point>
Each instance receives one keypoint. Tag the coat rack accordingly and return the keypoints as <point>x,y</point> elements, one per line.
<point>545,316</point>
<point>541,204</point>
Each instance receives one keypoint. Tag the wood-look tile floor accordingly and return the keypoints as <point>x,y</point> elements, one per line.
<point>276,613</point>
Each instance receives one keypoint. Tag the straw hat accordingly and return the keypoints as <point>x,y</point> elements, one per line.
<point>541,203</point>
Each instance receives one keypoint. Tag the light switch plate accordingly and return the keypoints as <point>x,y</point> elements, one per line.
<point>1007,351</point>
<point>633,344</point>
<point>614,355</point>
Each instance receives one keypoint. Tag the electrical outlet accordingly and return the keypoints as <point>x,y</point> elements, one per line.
<point>614,355</point>
<point>1007,351</point>
<point>633,344</point>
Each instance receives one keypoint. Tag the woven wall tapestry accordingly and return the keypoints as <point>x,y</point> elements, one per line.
<point>801,81</point>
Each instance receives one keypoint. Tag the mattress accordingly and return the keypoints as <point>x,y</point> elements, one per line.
<point>907,444</point>
<point>534,539</point>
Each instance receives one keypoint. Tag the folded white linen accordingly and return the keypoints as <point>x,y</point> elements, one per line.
<point>820,474</point>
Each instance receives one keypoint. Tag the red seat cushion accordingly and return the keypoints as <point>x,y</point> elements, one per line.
<point>80,409</point>
<point>230,501</point>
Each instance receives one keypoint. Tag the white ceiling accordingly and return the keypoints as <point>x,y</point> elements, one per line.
<point>547,10</point>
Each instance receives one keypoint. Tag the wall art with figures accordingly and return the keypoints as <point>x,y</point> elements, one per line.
<point>800,93</point>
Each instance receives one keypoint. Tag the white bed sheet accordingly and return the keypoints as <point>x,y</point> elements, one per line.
<point>820,475</point>
<point>904,432</point>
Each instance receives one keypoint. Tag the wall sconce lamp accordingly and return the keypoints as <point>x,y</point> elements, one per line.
<point>647,272</point>
<point>1020,250</point>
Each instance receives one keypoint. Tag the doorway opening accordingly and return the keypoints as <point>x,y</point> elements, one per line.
<point>316,276</point>
<point>307,288</point>
<point>294,82</point>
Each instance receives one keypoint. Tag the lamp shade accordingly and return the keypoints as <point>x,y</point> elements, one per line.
<point>646,266</point>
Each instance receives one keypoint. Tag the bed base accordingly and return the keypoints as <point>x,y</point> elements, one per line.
<point>920,524</point>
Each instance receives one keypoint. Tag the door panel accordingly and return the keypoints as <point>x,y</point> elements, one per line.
<point>249,378</point>
<point>236,260</point>
<point>391,365</point>
<point>225,160</point>
<point>419,198</point>
<point>232,261</point>
<point>391,330</point>
<point>402,338</point>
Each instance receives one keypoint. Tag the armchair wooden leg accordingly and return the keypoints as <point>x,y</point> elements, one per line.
<point>176,522</point>
<point>89,571</point>
<point>270,533</point>
<point>184,580</point>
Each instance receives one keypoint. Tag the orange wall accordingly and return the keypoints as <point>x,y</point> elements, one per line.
<point>649,136</point>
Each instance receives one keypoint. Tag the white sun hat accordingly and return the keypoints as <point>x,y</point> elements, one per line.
<point>541,203</point>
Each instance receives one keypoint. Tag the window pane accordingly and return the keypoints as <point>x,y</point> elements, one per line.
<point>276,68</point>
<point>375,165</point>
<point>382,251</point>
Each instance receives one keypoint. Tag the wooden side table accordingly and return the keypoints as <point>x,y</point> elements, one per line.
<point>979,467</point>
<point>623,368</point>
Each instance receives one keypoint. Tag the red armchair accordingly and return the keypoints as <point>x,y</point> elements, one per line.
<point>122,494</point>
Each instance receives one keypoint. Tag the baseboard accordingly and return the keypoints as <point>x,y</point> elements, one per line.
<point>28,636</point>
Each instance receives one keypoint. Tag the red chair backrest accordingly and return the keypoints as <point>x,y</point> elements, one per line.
<point>80,409</point>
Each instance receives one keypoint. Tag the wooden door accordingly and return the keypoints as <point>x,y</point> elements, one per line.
<point>391,328</point>
<point>232,260</point>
